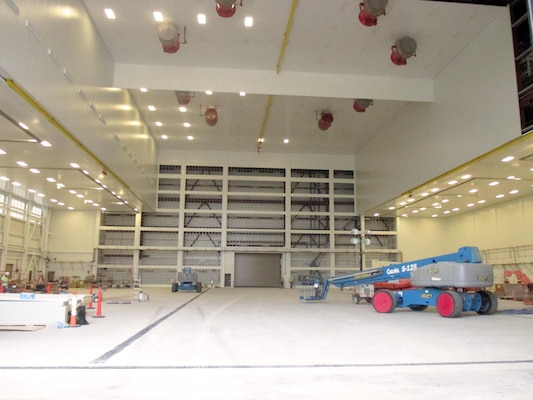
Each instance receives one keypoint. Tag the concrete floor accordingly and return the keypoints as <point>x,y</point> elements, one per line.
<point>266,344</point>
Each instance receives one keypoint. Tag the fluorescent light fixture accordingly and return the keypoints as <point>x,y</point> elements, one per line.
<point>507,159</point>
<point>164,137</point>
<point>182,108</point>
<point>434,190</point>
<point>455,209</point>
<point>52,180</point>
<point>242,94</point>
<point>514,191</point>
<point>16,184</point>
<point>35,170</point>
<point>467,176</point>
<point>452,182</point>
<point>472,191</point>
<point>22,164</point>
<point>45,143</point>
<point>494,183</point>
<point>151,108</point>
<point>72,191</point>
<point>470,205</point>
<point>499,196</point>
<point>143,89</point>
<point>2,151</point>
<point>187,124</point>
<point>424,194</point>
<point>190,137</point>
<point>285,141</point>
<point>109,13</point>
<point>23,125</point>
<point>445,200</point>
<point>4,178</point>
<point>158,123</point>
<point>248,21</point>
<point>158,16</point>
<point>74,165</point>
<point>32,191</point>
<point>41,195</point>
<point>209,92</point>
<point>392,208</point>
<point>202,19</point>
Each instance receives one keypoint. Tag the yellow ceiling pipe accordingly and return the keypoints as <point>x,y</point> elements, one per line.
<point>22,93</point>
<point>278,68</point>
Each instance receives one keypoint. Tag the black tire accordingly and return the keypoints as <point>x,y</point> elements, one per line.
<point>449,304</point>
<point>418,307</point>
<point>489,303</point>
<point>384,301</point>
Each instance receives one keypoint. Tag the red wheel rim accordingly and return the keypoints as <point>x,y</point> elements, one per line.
<point>382,302</point>
<point>445,304</point>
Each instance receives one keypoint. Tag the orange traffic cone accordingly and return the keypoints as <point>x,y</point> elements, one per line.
<point>48,289</point>
<point>90,305</point>
<point>73,323</point>
<point>99,305</point>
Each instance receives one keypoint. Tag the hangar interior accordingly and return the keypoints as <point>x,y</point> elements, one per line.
<point>263,144</point>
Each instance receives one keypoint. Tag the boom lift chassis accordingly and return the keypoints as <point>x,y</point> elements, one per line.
<point>454,283</point>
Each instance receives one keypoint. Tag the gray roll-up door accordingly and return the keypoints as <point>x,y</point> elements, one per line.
<point>257,270</point>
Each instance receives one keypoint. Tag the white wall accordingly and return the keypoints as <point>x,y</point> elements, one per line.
<point>73,235</point>
<point>505,225</point>
<point>475,110</point>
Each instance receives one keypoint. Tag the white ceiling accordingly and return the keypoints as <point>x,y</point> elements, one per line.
<point>329,59</point>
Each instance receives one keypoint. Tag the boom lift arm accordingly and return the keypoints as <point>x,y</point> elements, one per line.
<point>448,281</point>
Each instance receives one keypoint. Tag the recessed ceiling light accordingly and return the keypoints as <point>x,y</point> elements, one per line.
<point>424,194</point>
<point>164,137</point>
<point>514,191</point>
<point>376,214</point>
<point>242,94</point>
<point>445,200</point>
<point>143,89</point>
<point>435,190</point>
<point>481,201</point>
<point>16,184</point>
<point>470,205</point>
<point>435,204</point>
<point>410,200</point>
<point>190,137</point>
<point>285,141</point>
<point>446,212</point>
<point>392,208</point>
<point>511,177</point>
<point>50,180</point>
<point>201,19</point>
<point>35,170</point>
<point>414,211</point>
<point>158,16</point>
<point>467,176</point>
<point>472,191</point>
<point>494,183</point>
<point>248,21</point>
<point>434,216</point>
<point>209,92</point>
<point>74,165</point>
<point>151,108</point>
<point>403,203</point>
<point>109,13</point>
<point>499,196</point>
<point>32,190</point>
<point>53,200</point>
<point>158,123</point>
<point>4,178</point>
<point>72,191</point>
<point>2,151</point>
<point>422,208</point>
<point>22,164</point>
<point>187,124</point>
<point>45,143</point>
<point>41,195</point>
<point>70,208</point>
<point>23,125</point>
<point>507,159</point>
<point>182,108</point>
<point>455,209</point>
<point>452,182</point>
<point>261,140</point>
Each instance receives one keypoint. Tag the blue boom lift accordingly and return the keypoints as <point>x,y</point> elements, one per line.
<point>453,283</point>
